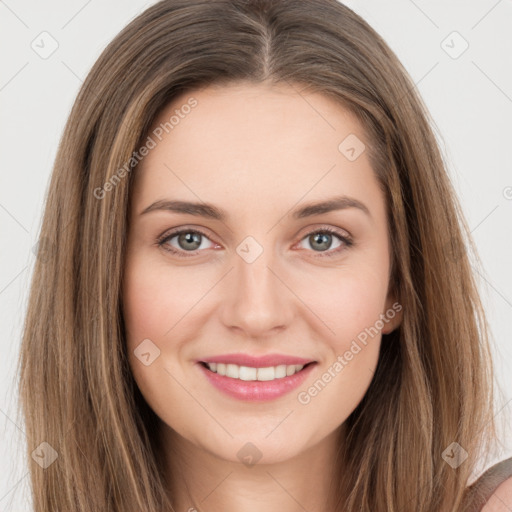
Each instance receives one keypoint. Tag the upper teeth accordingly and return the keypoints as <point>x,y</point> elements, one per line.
<point>248,373</point>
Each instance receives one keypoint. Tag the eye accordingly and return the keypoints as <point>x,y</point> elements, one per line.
<point>322,240</point>
<point>191,240</point>
<point>188,240</point>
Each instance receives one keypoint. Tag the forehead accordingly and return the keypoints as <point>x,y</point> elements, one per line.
<point>245,114</point>
<point>257,142</point>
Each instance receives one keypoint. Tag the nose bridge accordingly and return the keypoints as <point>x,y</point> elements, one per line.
<point>255,281</point>
<point>257,297</point>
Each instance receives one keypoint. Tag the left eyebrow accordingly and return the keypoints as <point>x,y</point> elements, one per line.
<point>213,212</point>
<point>333,204</point>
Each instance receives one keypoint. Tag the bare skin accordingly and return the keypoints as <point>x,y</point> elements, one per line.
<point>258,152</point>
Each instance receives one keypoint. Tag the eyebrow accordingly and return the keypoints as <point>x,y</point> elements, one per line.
<point>213,212</point>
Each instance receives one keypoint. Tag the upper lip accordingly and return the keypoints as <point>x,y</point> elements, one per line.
<point>257,361</point>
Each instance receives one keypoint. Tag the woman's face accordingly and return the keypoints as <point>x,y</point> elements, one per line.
<point>256,274</point>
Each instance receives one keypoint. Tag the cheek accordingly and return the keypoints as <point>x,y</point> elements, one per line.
<point>351,309</point>
<point>156,299</point>
<point>348,304</point>
<point>153,302</point>
<point>160,305</point>
<point>351,306</point>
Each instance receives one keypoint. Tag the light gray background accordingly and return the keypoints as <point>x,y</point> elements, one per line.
<point>470,98</point>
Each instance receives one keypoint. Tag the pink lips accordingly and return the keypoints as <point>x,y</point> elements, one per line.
<point>256,391</point>
<point>257,362</point>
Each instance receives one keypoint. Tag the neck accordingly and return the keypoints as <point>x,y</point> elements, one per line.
<point>203,480</point>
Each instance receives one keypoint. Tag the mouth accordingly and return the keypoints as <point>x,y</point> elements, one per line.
<point>255,383</point>
<point>250,373</point>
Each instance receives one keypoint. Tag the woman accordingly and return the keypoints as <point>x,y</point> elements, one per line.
<point>252,370</point>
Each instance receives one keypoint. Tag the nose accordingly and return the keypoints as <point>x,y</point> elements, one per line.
<point>256,300</point>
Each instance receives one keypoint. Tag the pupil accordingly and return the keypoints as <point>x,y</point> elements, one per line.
<point>190,238</point>
<point>324,239</point>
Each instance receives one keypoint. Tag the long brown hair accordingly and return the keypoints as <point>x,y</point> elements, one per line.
<point>433,383</point>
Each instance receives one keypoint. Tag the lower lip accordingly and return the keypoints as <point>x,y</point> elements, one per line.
<point>256,391</point>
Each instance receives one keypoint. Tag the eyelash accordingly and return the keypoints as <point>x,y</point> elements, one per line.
<point>161,242</point>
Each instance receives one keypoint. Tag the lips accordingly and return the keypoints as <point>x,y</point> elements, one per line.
<point>252,385</point>
<point>257,361</point>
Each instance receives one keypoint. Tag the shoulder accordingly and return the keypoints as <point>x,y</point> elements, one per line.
<point>492,491</point>
<point>501,498</point>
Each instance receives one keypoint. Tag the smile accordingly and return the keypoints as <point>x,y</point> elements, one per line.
<point>251,384</point>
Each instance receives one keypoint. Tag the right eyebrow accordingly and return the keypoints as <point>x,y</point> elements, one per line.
<point>198,209</point>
